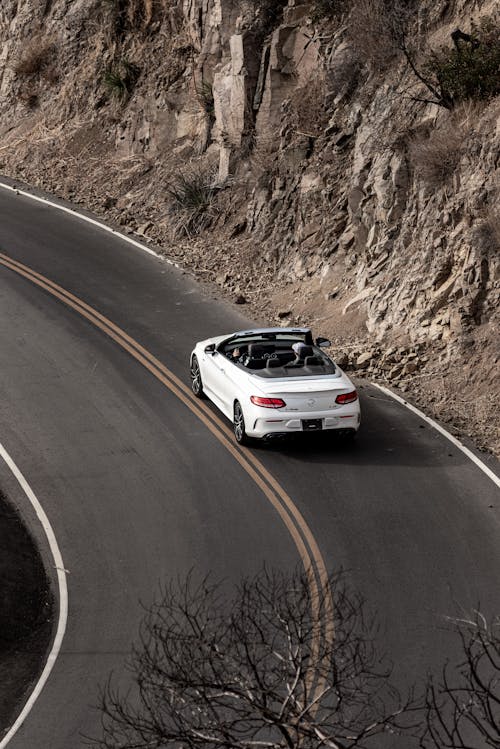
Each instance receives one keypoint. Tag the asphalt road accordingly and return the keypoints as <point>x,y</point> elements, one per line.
<point>137,488</point>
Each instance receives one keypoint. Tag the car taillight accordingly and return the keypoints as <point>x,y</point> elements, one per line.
<point>347,398</point>
<point>267,402</point>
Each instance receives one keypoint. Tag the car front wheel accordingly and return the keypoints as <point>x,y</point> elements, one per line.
<point>196,383</point>
<point>240,434</point>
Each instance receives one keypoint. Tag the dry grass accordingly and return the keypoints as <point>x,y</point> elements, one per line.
<point>137,15</point>
<point>28,95</point>
<point>308,110</point>
<point>148,12</point>
<point>374,29</point>
<point>435,158</point>
<point>38,59</point>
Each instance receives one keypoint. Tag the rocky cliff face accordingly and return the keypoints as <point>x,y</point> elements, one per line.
<point>285,151</point>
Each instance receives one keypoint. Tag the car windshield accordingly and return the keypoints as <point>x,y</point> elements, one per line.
<point>275,358</point>
<point>268,338</point>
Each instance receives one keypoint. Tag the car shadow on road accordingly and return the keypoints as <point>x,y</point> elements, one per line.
<point>420,446</point>
<point>390,435</point>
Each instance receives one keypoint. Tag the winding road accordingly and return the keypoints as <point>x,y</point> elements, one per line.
<point>141,483</point>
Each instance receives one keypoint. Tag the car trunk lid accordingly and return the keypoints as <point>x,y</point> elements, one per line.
<point>305,395</point>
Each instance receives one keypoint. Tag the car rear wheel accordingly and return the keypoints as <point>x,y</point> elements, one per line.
<point>196,382</point>
<point>239,430</point>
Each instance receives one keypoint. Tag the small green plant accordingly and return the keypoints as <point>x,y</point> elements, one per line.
<point>471,68</point>
<point>191,202</point>
<point>115,83</point>
<point>121,78</point>
<point>192,190</point>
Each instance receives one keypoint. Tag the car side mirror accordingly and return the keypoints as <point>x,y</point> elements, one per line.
<point>323,342</point>
<point>210,349</point>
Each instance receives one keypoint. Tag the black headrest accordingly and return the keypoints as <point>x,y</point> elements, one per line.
<point>306,351</point>
<point>314,361</point>
<point>257,350</point>
<point>271,363</point>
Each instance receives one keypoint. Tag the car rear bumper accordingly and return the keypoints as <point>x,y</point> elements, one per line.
<point>275,423</point>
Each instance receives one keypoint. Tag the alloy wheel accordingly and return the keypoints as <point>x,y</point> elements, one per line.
<point>239,425</point>
<point>196,383</point>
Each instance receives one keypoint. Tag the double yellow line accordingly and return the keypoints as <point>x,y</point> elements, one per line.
<point>295,523</point>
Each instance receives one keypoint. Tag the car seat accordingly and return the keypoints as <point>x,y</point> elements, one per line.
<point>299,361</point>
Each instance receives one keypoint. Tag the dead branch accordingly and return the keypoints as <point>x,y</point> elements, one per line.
<point>216,673</point>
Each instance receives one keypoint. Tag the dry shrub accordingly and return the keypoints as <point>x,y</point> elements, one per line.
<point>308,109</point>
<point>343,72</point>
<point>369,32</point>
<point>37,59</point>
<point>268,14</point>
<point>148,12</point>
<point>28,96</point>
<point>327,9</point>
<point>436,158</point>
<point>134,15</point>
<point>491,232</point>
<point>376,29</point>
<point>139,13</point>
<point>264,153</point>
<point>50,74</point>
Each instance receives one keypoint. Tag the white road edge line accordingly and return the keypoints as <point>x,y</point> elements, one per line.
<point>90,220</point>
<point>63,597</point>
<point>441,430</point>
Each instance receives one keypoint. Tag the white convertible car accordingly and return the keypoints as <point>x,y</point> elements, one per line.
<point>274,381</point>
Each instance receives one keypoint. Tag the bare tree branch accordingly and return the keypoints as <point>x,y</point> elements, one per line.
<point>463,710</point>
<point>236,674</point>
